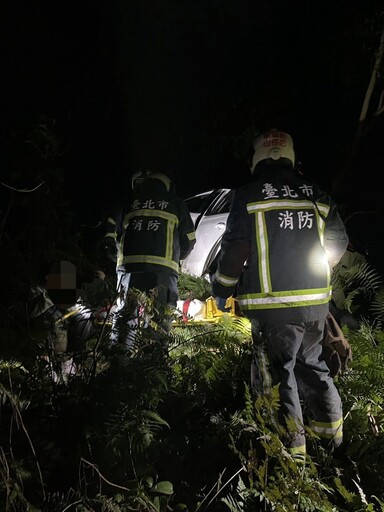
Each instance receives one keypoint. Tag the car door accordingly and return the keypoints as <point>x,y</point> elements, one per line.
<point>210,226</point>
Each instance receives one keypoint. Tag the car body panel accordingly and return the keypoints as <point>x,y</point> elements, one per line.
<point>209,211</point>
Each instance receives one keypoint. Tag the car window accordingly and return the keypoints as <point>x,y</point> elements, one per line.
<point>222,205</point>
<point>200,202</point>
<point>197,203</point>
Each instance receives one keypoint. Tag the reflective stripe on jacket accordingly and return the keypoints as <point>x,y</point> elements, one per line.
<point>110,229</point>
<point>281,234</point>
<point>154,232</point>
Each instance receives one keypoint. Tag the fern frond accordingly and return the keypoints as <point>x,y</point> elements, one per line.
<point>234,504</point>
<point>243,325</point>
<point>249,406</point>
<point>377,304</point>
<point>367,277</point>
<point>360,274</point>
<point>192,287</point>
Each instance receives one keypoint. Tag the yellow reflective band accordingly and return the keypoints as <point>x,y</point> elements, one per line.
<point>191,236</point>
<point>170,232</point>
<point>323,208</point>
<point>225,280</point>
<point>278,204</point>
<point>298,452</point>
<point>293,298</point>
<point>157,260</point>
<point>289,204</point>
<point>262,244</point>
<point>290,298</point>
<point>333,430</point>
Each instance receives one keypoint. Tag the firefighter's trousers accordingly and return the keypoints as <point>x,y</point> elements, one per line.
<point>130,318</point>
<point>289,355</point>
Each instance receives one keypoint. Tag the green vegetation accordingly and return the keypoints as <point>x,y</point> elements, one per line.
<point>151,431</point>
<point>101,429</point>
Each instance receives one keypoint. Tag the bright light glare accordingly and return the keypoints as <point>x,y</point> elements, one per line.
<point>318,261</point>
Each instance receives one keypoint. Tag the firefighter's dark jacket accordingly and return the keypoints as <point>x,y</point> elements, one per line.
<point>283,236</point>
<point>154,231</point>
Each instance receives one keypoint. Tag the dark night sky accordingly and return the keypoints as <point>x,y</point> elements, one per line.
<point>176,85</point>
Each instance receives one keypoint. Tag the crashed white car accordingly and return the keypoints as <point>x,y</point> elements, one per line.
<point>209,211</point>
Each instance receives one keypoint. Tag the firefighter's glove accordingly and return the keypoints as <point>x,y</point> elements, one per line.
<point>337,351</point>
<point>221,302</point>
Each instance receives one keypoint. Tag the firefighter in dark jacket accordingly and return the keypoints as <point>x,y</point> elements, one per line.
<point>153,232</point>
<point>283,237</point>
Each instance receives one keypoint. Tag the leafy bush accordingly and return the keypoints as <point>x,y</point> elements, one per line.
<point>171,424</point>
<point>149,430</point>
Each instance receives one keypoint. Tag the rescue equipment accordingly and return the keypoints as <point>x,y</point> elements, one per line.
<point>194,311</point>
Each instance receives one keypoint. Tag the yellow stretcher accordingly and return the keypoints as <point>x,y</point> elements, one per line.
<point>208,313</point>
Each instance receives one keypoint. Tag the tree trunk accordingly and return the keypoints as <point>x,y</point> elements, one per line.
<point>364,124</point>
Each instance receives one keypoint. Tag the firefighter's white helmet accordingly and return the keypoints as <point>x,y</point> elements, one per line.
<point>273,144</point>
<point>139,177</point>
